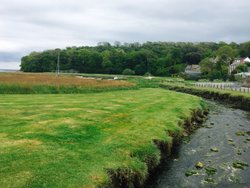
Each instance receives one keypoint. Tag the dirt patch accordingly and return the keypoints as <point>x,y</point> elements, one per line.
<point>23,142</point>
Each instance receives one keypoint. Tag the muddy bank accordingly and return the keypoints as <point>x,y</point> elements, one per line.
<point>239,101</point>
<point>128,178</point>
<point>222,145</point>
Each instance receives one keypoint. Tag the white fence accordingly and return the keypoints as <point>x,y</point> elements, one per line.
<point>225,86</point>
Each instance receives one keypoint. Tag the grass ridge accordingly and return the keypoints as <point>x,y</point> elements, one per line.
<point>236,99</point>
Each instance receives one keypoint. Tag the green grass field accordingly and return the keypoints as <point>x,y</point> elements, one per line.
<point>74,140</point>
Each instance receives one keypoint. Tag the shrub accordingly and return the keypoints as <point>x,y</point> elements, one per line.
<point>128,72</point>
<point>147,74</point>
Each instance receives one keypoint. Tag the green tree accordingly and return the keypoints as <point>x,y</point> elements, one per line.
<point>244,49</point>
<point>193,58</point>
<point>207,66</point>
<point>226,54</point>
<point>157,58</point>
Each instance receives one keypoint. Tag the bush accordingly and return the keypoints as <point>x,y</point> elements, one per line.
<point>128,72</point>
<point>232,78</point>
<point>147,74</point>
<point>241,68</point>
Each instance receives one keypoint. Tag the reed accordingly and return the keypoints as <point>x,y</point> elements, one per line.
<point>21,83</point>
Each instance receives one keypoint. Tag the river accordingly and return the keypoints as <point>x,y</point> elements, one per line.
<point>222,146</point>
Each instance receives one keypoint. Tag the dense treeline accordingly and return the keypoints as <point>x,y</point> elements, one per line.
<point>156,58</point>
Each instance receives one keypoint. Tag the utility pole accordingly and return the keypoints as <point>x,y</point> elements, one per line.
<point>58,62</point>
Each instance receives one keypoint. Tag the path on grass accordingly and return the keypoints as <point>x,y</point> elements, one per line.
<point>222,145</point>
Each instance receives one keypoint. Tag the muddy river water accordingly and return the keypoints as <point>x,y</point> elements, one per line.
<point>217,154</point>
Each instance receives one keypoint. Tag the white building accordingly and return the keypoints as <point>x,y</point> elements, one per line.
<point>193,70</point>
<point>237,62</point>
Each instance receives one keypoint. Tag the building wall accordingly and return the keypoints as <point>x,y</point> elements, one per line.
<point>247,82</point>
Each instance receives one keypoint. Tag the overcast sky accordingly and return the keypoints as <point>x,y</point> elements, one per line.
<point>29,25</point>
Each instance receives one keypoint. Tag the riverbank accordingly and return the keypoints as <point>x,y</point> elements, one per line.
<point>168,150</point>
<point>236,99</point>
<point>89,140</point>
<point>221,145</point>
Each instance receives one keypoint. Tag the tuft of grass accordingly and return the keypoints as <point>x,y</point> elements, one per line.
<point>210,170</point>
<point>86,140</point>
<point>191,173</point>
<point>240,164</point>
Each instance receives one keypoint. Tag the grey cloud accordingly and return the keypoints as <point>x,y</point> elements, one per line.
<point>10,56</point>
<point>29,25</point>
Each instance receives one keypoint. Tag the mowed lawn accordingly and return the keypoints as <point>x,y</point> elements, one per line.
<point>73,140</point>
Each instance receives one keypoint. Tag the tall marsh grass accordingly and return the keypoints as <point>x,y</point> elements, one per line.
<point>21,83</point>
